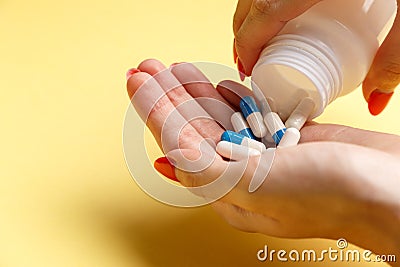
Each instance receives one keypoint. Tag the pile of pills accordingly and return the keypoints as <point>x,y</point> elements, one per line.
<point>252,125</point>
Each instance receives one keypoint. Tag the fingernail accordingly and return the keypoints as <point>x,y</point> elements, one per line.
<point>163,166</point>
<point>241,70</point>
<point>378,101</point>
<point>174,64</point>
<point>235,55</point>
<point>130,72</point>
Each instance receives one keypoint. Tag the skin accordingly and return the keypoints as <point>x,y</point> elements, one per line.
<point>338,182</point>
<point>257,21</point>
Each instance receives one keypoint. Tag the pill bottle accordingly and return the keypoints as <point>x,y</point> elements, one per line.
<point>324,53</point>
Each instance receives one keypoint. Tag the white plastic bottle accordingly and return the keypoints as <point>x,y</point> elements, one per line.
<point>324,53</point>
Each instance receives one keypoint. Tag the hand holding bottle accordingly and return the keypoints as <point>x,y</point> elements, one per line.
<point>256,22</point>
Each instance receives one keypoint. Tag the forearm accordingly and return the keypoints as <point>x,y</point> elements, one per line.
<point>379,233</point>
<point>377,227</point>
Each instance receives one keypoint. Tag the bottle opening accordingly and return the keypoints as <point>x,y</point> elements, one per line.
<point>293,67</point>
<point>288,86</point>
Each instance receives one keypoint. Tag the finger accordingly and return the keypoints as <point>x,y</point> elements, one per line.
<point>156,109</point>
<point>183,101</point>
<point>141,86</point>
<point>201,89</point>
<point>216,179</point>
<point>384,74</point>
<point>242,9</point>
<point>339,133</point>
<point>264,20</point>
<point>233,92</point>
<point>208,176</point>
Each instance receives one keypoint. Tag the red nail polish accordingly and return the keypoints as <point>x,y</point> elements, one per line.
<point>130,72</point>
<point>174,64</point>
<point>378,101</point>
<point>235,55</point>
<point>163,166</point>
<point>241,70</point>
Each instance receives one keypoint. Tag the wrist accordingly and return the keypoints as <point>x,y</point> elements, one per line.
<point>374,221</point>
<point>377,231</point>
<point>378,218</point>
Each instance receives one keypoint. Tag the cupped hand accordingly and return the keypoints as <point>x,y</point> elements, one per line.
<point>257,21</point>
<point>339,182</point>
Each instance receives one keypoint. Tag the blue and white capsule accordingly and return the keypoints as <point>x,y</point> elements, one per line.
<point>290,138</point>
<point>240,139</point>
<point>240,125</point>
<point>275,126</point>
<point>253,116</point>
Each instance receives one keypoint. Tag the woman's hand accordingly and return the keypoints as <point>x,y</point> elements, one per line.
<point>257,21</point>
<point>339,182</point>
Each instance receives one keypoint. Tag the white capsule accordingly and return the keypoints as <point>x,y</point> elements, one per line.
<point>235,152</point>
<point>290,138</point>
<point>301,114</point>
<point>275,126</point>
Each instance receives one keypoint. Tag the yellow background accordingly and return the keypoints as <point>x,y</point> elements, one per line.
<point>66,197</point>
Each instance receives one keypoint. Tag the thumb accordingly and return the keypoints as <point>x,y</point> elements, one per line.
<point>258,21</point>
<point>384,74</point>
<point>207,176</point>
